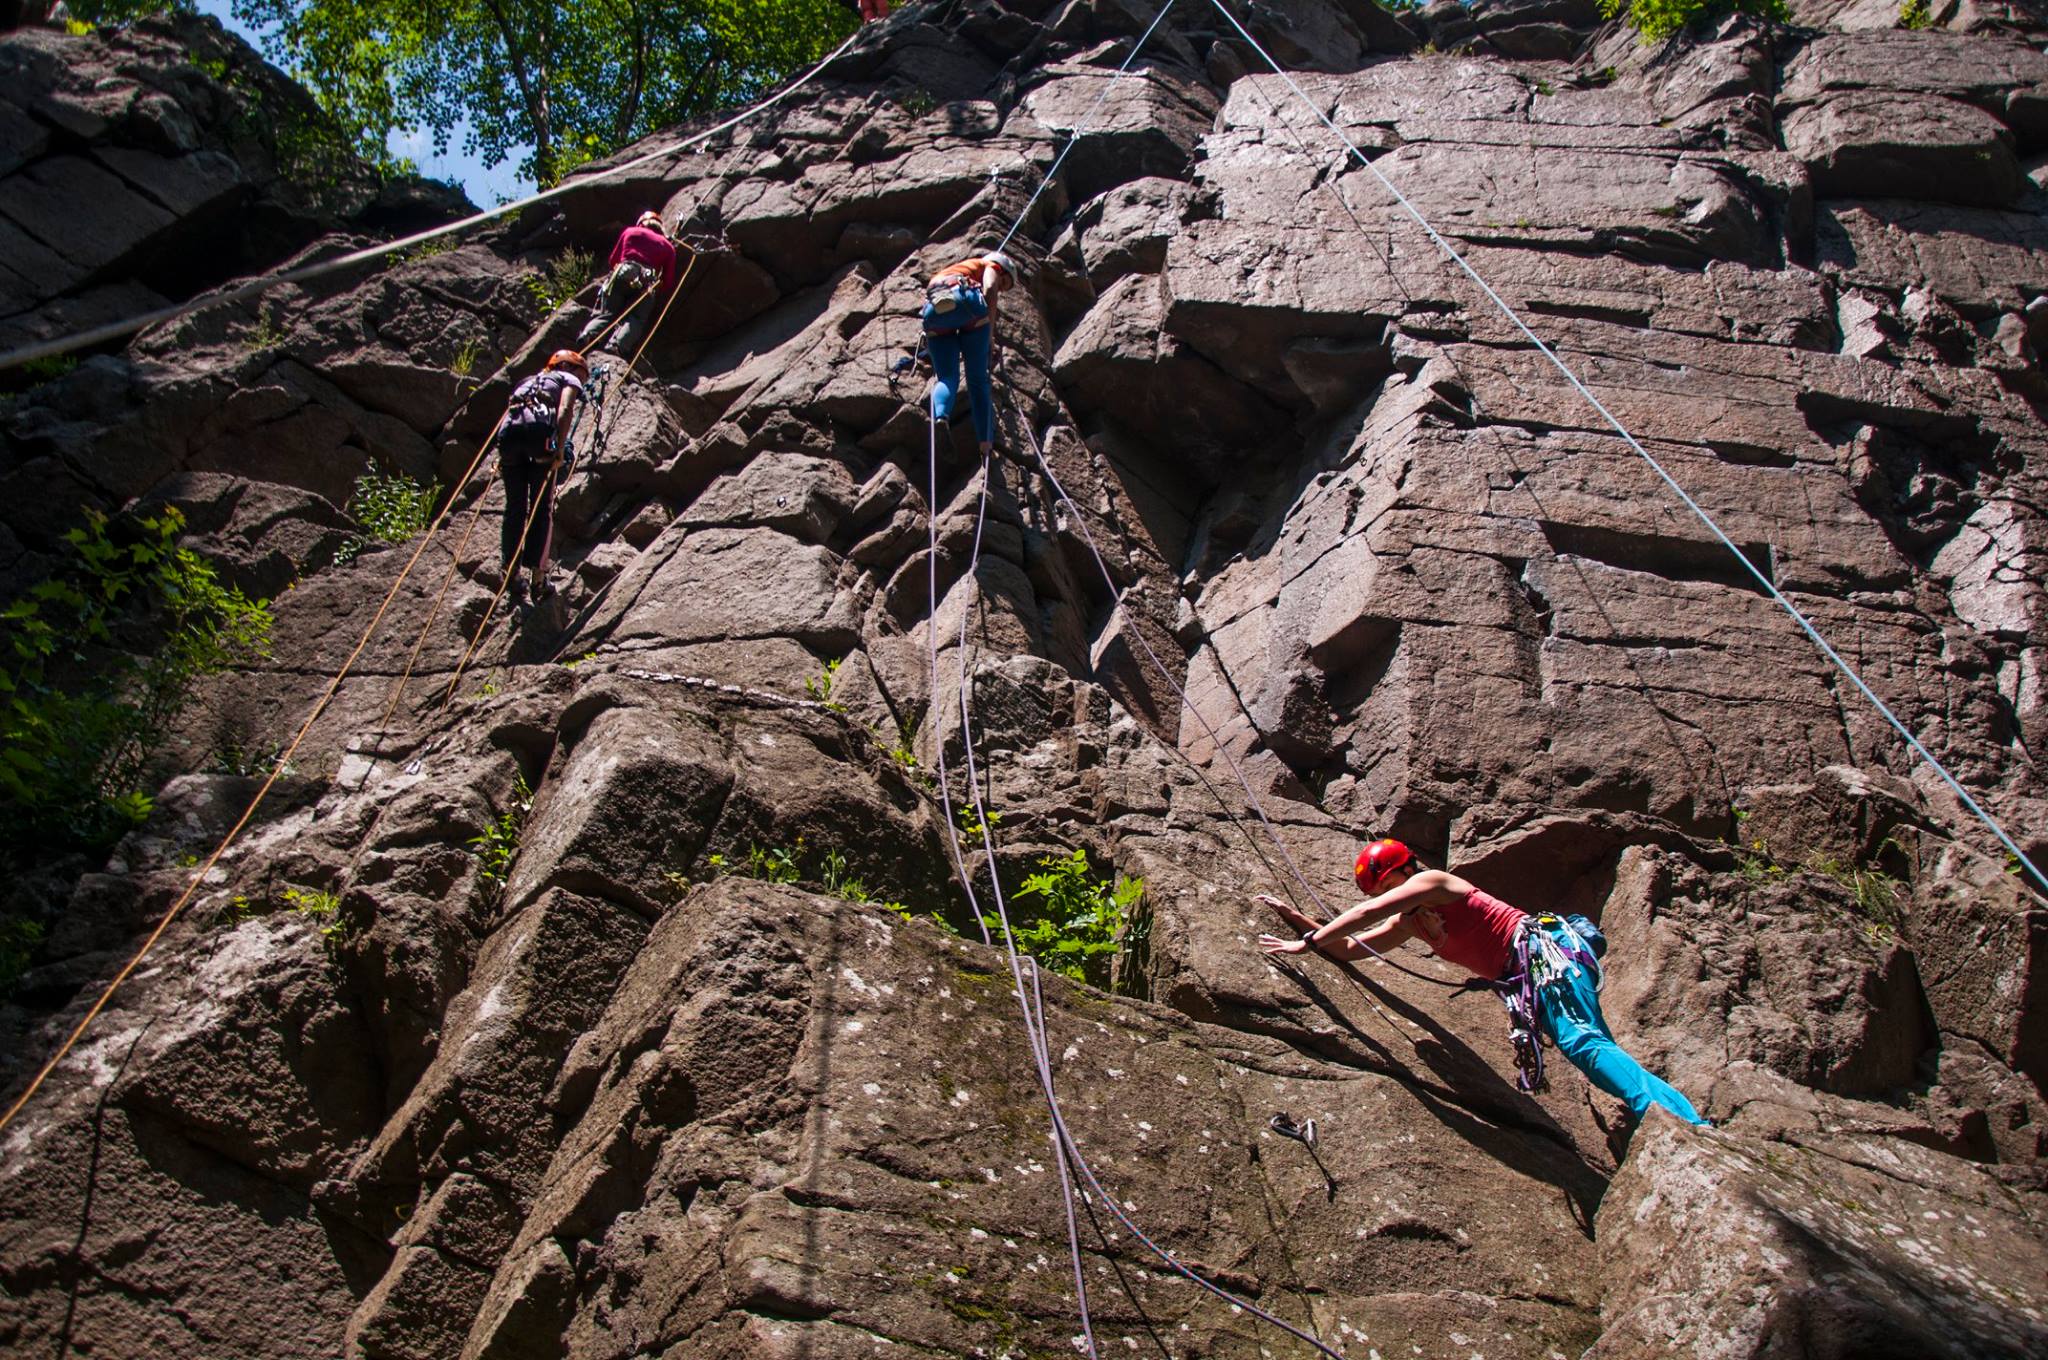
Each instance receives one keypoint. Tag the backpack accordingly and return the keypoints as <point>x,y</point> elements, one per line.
<point>534,402</point>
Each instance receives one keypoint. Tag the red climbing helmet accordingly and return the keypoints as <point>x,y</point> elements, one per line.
<point>571,360</point>
<point>1378,860</point>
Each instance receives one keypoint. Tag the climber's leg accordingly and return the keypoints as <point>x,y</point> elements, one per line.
<point>945,355</point>
<point>1570,1014</point>
<point>974,352</point>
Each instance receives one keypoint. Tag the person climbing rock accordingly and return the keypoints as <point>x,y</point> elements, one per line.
<point>869,10</point>
<point>642,261</point>
<point>532,443</point>
<point>960,328</point>
<point>1543,964</point>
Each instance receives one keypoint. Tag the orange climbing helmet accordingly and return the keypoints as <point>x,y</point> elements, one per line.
<point>650,219</point>
<point>571,360</point>
<point>1378,860</point>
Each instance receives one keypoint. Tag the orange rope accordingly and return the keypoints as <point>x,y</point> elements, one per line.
<point>454,561</point>
<point>185,898</point>
<point>614,323</point>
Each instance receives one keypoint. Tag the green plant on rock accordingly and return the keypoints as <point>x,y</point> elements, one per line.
<point>236,910</point>
<point>498,845</point>
<point>777,864</point>
<point>1878,896</point>
<point>819,687</point>
<point>96,664</point>
<point>1076,924</point>
<point>390,506</point>
<point>324,908</point>
<point>560,280</point>
<point>466,354</point>
<point>1916,14</point>
<point>49,368</point>
<point>974,826</point>
<point>265,335</point>
<point>1657,20</point>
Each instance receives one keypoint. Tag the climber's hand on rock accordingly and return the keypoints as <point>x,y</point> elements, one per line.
<point>1287,911</point>
<point>1273,944</point>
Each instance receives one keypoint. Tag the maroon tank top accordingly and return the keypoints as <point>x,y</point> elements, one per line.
<point>1477,934</point>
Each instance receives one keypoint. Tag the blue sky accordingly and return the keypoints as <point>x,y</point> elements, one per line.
<point>486,188</point>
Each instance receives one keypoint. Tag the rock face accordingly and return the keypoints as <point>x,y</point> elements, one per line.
<point>608,1014</point>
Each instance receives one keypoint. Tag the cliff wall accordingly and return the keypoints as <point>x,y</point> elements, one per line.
<point>610,1098</point>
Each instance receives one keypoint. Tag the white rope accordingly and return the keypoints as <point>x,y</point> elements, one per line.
<point>1074,137</point>
<point>113,330</point>
<point>1573,378</point>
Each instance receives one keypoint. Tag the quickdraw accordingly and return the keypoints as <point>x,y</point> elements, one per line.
<point>1547,949</point>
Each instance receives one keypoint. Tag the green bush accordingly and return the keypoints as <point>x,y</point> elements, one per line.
<point>1916,14</point>
<point>561,281</point>
<point>82,719</point>
<point>1657,20</point>
<point>391,507</point>
<point>1077,923</point>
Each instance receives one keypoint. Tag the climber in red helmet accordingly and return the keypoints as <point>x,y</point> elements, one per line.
<point>532,442</point>
<point>1543,965</point>
<point>643,264</point>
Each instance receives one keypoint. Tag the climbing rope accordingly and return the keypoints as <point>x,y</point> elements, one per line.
<point>434,612</point>
<point>1570,376</point>
<point>511,569</point>
<point>1064,1144</point>
<point>1063,1138</point>
<point>616,321</point>
<point>113,330</point>
<point>1188,706</point>
<point>277,769</point>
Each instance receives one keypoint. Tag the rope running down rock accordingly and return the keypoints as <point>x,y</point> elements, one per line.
<point>1769,586</point>
<point>277,768</point>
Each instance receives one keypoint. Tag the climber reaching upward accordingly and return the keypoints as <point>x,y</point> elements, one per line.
<point>960,328</point>
<point>1542,965</point>
<point>642,261</point>
<point>532,444</point>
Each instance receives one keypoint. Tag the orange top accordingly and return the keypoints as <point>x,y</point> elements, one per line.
<point>973,270</point>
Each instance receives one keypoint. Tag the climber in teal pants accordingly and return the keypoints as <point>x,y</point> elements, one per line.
<point>1544,968</point>
<point>1570,1014</point>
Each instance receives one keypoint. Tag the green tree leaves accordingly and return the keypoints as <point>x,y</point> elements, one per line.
<point>82,717</point>
<point>563,81</point>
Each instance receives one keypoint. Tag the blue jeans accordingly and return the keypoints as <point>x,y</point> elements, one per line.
<point>947,352</point>
<point>1569,1011</point>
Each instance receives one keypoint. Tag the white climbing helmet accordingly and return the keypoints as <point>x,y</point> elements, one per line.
<point>1002,260</point>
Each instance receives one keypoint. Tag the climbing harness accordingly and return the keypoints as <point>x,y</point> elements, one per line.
<point>1546,950</point>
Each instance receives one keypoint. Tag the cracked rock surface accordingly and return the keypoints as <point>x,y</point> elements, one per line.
<point>557,1070</point>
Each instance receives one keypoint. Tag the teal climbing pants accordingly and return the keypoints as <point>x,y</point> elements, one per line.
<point>1570,1013</point>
